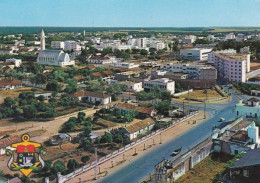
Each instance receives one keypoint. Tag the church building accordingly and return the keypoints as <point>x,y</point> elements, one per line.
<point>53,57</point>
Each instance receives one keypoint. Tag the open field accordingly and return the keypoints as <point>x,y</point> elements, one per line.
<point>199,94</point>
<point>205,171</point>
<point>15,92</point>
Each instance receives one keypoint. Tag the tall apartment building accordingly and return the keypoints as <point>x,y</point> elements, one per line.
<point>232,67</point>
<point>163,83</point>
<point>57,45</point>
<point>195,71</point>
<point>71,45</point>
<point>211,55</point>
<point>195,53</point>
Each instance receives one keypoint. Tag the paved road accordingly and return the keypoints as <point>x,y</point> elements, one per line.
<point>141,168</point>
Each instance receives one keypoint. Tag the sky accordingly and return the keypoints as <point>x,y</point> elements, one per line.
<point>130,13</point>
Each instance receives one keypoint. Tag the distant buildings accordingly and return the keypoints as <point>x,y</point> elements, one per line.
<point>195,53</point>
<point>53,57</point>
<point>126,65</point>
<point>189,39</point>
<point>57,45</point>
<point>163,83</point>
<point>72,45</point>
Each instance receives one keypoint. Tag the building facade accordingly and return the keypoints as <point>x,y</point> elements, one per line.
<point>163,83</point>
<point>195,53</point>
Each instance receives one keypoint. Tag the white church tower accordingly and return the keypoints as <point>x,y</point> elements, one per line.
<point>42,40</point>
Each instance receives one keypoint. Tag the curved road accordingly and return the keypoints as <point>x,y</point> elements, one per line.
<point>139,169</point>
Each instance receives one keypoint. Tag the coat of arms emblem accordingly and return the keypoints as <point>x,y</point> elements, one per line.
<point>26,156</point>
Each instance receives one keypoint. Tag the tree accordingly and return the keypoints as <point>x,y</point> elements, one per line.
<point>81,116</point>
<point>107,138</point>
<point>9,102</point>
<point>117,138</point>
<point>30,111</point>
<point>84,159</point>
<point>47,166</point>
<point>40,78</point>
<point>72,164</point>
<point>71,88</point>
<point>87,130</point>
<point>144,52</point>
<point>107,51</point>
<point>58,166</point>
<point>53,86</point>
<point>163,107</point>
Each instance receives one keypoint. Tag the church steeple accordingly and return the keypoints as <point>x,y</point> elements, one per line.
<point>42,40</point>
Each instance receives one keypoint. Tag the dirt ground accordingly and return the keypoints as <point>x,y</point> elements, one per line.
<point>254,65</point>
<point>198,94</point>
<point>40,132</point>
<point>127,157</point>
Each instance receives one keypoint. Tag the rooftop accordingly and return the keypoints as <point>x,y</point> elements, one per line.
<point>140,125</point>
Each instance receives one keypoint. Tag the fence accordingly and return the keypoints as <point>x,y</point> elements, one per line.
<point>85,168</point>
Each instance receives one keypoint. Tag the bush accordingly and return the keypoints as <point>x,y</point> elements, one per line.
<point>72,164</point>
<point>84,159</point>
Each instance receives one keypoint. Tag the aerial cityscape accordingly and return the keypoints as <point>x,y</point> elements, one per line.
<point>127,91</point>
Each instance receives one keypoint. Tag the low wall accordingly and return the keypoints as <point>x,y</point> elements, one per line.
<point>64,178</point>
<point>182,93</point>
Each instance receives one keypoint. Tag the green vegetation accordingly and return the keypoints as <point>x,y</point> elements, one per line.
<point>245,87</point>
<point>254,46</point>
<point>78,124</point>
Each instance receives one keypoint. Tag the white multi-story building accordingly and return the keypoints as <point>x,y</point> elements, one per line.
<point>195,53</point>
<point>211,55</point>
<point>158,45</point>
<point>58,45</point>
<point>189,39</point>
<point>230,36</point>
<point>194,71</point>
<point>163,83</point>
<point>132,86</point>
<point>232,67</point>
<point>72,45</point>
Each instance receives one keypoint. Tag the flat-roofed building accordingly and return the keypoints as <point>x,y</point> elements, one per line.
<point>163,83</point>
<point>232,67</point>
<point>195,53</point>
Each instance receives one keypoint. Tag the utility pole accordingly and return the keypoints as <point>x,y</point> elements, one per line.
<point>183,107</point>
<point>189,99</point>
<point>206,93</point>
<point>96,165</point>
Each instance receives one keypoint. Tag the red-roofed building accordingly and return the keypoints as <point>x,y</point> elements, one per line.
<point>96,74</point>
<point>91,67</point>
<point>144,112</point>
<point>9,84</point>
<point>139,128</point>
<point>6,143</point>
<point>92,97</point>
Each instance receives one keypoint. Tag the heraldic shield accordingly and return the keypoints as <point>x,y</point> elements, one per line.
<point>26,156</point>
